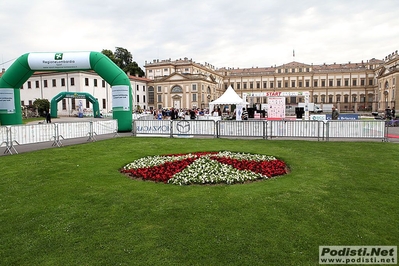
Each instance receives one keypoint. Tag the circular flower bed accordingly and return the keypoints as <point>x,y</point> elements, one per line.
<point>206,168</point>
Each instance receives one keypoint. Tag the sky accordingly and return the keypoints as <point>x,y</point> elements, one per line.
<point>239,34</point>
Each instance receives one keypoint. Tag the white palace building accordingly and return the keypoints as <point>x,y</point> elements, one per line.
<point>183,83</point>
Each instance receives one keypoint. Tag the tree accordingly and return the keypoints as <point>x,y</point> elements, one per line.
<point>124,59</point>
<point>109,54</point>
<point>42,105</point>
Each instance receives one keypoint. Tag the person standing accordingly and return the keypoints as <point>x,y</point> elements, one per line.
<point>48,117</point>
<point>335,114</point>
<point>192,114</point>
<point>244,115</point>
<point>393,113</point>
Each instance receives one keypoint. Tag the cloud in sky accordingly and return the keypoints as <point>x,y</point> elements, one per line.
<point>221,32</point>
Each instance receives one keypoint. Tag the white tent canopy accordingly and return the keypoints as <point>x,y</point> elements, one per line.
<point>228,97</point>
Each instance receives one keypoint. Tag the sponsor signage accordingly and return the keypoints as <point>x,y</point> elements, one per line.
<point>120,98</point>
<point>7,103</point>
<point>59,61</point>
<point>344,117</point>
<point>276,93</point>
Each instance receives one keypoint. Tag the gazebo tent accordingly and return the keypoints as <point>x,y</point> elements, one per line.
<point>229,97</point>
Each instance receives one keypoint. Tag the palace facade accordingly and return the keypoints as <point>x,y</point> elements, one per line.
<point>184,84</point>
<point>363,86</point>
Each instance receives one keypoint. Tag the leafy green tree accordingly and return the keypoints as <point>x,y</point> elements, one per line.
<point>42,105</point>
<point>124,59</point>
<point>109,54</point>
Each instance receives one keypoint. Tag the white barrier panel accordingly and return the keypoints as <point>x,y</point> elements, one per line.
<point>248,128</point>
<point>25,134</point>
<point>151,127</point>
<point>3,134</point>
<point>356,129</point>
<point>293,128</point>
<point>32,133</point>
<point>105,127</point>
<point>73,129</point>
<point>194,127</point>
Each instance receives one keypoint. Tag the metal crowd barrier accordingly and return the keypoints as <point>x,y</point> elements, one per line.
<point>320,130</point>
<point>366,129</point>
<point>289,129</point>
<point>27,134</point>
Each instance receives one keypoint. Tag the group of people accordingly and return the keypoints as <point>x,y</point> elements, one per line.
<point>390,113</point>
<point>174,113</point>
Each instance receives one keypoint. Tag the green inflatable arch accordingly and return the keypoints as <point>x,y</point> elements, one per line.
<point>23,68</point>
<point>78,95</point>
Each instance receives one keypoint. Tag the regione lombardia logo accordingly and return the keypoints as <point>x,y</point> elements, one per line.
<point>58,56</point>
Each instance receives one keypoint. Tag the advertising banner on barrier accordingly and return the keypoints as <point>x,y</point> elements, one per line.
<point>344,117</point>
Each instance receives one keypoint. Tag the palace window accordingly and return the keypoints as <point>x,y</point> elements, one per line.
<point>178,89</point>
<point>151,95</point>
<point>370,82</point>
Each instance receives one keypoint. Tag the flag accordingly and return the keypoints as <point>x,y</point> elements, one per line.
<point>293,53</point>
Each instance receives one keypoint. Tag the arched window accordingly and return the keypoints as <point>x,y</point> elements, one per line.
<point>176,89</point>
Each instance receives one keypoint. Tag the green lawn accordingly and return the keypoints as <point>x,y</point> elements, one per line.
<point>71,206</point>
